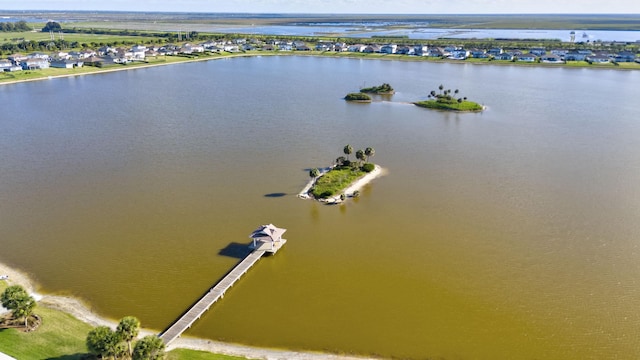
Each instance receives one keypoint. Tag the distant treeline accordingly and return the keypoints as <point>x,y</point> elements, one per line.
<point>14,26</point>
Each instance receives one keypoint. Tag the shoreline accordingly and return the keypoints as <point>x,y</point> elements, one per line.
<point>82,312</point>
<point>357,185</point>
<point>335,56</point>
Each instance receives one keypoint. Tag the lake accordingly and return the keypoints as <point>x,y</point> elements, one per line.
<point>511,233</point>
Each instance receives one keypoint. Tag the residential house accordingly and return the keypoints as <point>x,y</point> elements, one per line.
<point>5,64</point>
<point>551,58</point>
<point>34,64</point>
<point>323,46</point>
<point>537,51</point>
<point>625,56</point>
<point>370,49</point>
<point>61,55</point>
<point>389,48</point>
<point>459,54</point>
<point>66,64</point>
<point>248,47</point>
<point>478,54</point>
<point>139,52</point>
<point>38,55</point>
<point>356,48</point>
<point>436,52</point>
<point>505,56</point>
<point>527,57</point>
<point>17,58</point>
<point>494,51</point>
<point>406,50</point>
<point>87,53</point>
<point>421,50</point>
<point>301,46</point>
<point>559,52</point>
<point>231,48</point>
<point>598,59</point>
<point>574,55</point>
<point>268,47</point>
<point>341,47</point>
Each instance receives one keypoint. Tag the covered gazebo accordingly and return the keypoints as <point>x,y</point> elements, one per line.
<point>268,238</point>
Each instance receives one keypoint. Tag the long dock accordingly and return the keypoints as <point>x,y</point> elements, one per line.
<point>217,291</point>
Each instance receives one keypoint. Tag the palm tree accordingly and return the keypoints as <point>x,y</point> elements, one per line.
<point>369,152</point>
<point>433,93</point>
<point>360,155</point>
<point>441,87</point>
<point>456,91</point>
<point>127,330</point>
<point>348,150</point>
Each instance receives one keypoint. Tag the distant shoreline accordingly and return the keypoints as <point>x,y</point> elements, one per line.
<point>322,54</point>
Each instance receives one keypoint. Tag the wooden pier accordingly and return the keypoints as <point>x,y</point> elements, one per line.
<point>259,246</point>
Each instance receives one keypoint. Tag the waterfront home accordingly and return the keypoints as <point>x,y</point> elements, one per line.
<point>322,46</point>
<point>372,49</point>
<point>625,56</point>
<point>551,58</point>
<point>574,55</point>
<point>559,52</point>
<point>139,52</point>
<point>302,47</point>
<point>284,47</point>
<point>93,61</point>
<point>241,41</point>
<point>451,48</point>
<point>495,51</point>
<point>598,59</point>
<point>5,64</point>
<point>406,50</point>
<point>66,64</point>
<point>356,48</point>
<point>437,52</point>
<point>267,47</point>
<point>389,48</point>
<point>527,58</point>
<point>478,54</point>
<point>87,53</point>
<point>150,53</point>
<point>459,54</point>
<point>421,50</point>
<point>505,56</point>
<point>34,64</point>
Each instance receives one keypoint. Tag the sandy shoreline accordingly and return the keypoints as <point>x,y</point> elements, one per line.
<point>80,311</point>
<point>349,191</point>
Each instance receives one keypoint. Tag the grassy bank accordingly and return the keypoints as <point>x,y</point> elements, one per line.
<point>335,181</point>
<point>467,106</point>
<point>61,336</point>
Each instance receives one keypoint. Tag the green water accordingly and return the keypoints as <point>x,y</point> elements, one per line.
<point>507,234</point>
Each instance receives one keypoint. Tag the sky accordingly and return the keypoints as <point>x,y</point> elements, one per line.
<point>339,6</point>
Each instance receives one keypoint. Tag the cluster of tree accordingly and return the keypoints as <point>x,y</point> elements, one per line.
<point>117,344</point>
<point>52,26</point>
<point>14,26</point>
<point>380,89</point>
<point>444,96</point>
<point>16,299</point>
<point>361,97</point>
<point>361,156</point>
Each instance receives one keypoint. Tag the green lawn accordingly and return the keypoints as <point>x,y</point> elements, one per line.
<point>61,336</point>
<point>452,106</point>
<point>6,37</point>
<point>335,181</point>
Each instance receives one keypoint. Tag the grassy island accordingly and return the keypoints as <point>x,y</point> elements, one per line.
<point>344,174</point>
<point>358,97</point>
<point>445,101</point>
<point>384,89</point>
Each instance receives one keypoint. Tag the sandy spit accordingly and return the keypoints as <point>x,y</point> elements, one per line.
<point>82,312</point>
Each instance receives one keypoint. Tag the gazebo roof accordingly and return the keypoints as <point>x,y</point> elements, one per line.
<point>268,233</point>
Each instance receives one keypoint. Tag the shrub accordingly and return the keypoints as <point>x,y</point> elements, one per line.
<point>358,97</point>
<point>368,167</point>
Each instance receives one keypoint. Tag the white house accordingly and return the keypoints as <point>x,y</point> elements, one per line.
<point>66,64</point>
<point>268,238</point>
<point>34,64</point>
<point>389,49</point>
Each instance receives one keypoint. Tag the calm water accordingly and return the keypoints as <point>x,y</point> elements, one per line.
<point>508,234</point>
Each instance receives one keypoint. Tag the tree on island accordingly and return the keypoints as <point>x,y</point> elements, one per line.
<point>348,150</point>
<point>369,152</point>
<point>381,89</point>
<point>360,155</point>
<point>443,100</point>
<point>313,173</point>
<point>16,299</point>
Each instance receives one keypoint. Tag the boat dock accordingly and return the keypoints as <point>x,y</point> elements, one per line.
<point>267,239</point>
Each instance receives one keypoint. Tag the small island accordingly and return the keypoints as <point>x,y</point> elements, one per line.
<point>384,89</point>
<point>358,97</point>
<point>343,179</point>
<point>445,101</point>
